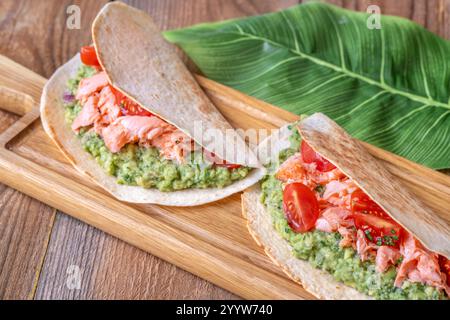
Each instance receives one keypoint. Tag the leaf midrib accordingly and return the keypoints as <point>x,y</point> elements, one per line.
<point>384,86</point>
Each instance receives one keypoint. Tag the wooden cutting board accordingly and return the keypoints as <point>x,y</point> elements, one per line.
<point>210,241</point>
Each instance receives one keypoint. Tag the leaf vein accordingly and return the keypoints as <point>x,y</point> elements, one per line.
<point>427,101</point>
<point>434,125</point>
<point>361,104</point>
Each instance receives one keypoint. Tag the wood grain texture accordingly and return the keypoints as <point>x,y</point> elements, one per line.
<point>112,269</point>
<point>25,223</point>
<point>24,229</point>
<point>432,14</point>
<point>172,14</point>
<point>25,226</point>
<point>31,33</point>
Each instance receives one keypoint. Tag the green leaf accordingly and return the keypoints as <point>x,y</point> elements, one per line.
<point>389,86</point>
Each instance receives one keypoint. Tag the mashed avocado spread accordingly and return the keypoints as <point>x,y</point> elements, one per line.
<point>141,166</point>
<point>322,249</point>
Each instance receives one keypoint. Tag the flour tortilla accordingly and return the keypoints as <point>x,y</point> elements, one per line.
<point>145,67</point>
<point>259,221</point>
<point>143,84</point>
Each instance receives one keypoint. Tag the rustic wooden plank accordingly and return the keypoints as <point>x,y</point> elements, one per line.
<point>432,14</point>
<point>24,229</point>
<point>171,14</point>
<point>34,33</point>
<point>112,269</point>
<point>25,224</point>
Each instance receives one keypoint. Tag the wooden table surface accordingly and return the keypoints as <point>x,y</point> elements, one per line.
<point>39,245</point>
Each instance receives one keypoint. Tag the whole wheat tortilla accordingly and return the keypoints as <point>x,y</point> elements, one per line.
<point>54,123</point>
<point>331,141</point>
<point>145,67</point>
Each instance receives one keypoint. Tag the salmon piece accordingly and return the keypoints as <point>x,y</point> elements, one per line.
<point>144,128</point>
<point>364,248</point>
<point>339,193</point>
<point>115,137</point>
<point>98,110</point>
<point>291,170</point>
<point>88,115</point>
<point>332,218</point>
<point>131,129</point>
<point>420,265</point>
<point>175,145</point>
<point>108,105</point>
<point>386,256</point>
<point>295,170</point>
<point>348,237</point>
<point>151,131</point>
<point>322,177</point>
<point>91,85</point>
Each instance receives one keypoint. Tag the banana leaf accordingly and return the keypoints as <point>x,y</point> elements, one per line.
<point>389,87</point>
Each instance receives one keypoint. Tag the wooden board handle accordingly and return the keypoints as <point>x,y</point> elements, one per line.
<point>15,102</point>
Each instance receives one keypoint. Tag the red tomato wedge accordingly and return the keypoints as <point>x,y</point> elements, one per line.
<point>219,162</point>
<point>129,107</point>
<point>444,263</point>
<point>228,165</point>
<point>300,207</point>
<point>378,230</point>
<point>310,156</point>
<point>89,56</point>
<point>361,202</point>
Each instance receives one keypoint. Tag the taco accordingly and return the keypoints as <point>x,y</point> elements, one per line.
<point>126,112</point>
<point>336,221</point>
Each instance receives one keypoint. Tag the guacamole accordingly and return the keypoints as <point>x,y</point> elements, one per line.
<point>141,166</point>
<point>322,249</point>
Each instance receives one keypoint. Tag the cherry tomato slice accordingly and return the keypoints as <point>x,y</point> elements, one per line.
<point>219,162</point>
<point>378,230</point>
<point>444,263</point>
<point>300,206</point>
<point>228,165</point>
<point>310,156</point>
<point>129,107</point>
<point>89,56</point>
<point>361,202</point>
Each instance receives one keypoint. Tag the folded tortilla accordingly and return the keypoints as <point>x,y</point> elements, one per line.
<point>141,64</point>
<point>348,155</point>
